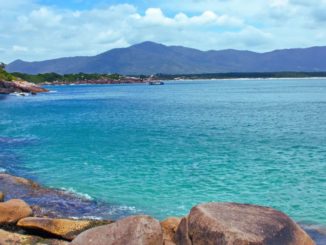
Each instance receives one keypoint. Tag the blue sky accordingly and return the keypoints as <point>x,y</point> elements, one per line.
<point>46,29</point>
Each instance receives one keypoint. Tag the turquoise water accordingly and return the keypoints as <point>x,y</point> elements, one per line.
<point>160,150</point>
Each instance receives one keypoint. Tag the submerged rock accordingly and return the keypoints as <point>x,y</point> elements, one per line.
<point>54,203</point>
<point>2,196</point>
<point>241,224</point>
<point>20,87</point>
<point>134,230</point>
<point>14,210</point>
<point>169,228</point>
<point>65,228</point>
<point>9,238</point>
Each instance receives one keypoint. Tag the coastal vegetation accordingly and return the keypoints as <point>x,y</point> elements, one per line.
<point>5,76</point>
<point>54,78</point>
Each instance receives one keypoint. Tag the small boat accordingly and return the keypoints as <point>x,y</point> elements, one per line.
<point>151,81</point>
<point>155,83</point>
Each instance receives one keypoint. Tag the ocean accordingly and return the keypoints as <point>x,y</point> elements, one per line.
<point>160,150</point>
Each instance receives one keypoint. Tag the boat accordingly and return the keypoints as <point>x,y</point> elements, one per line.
<point>155,83</point>
<point>152,81</point>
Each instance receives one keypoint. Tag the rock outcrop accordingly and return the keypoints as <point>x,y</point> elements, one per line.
<point>2,196</point>
<point>231,223</point>
<point>169,228</point>
<point>14,210</point>
<point>65,228</point>
<point>20,87</point>
<point>9,238</point>
<point>134,230</point>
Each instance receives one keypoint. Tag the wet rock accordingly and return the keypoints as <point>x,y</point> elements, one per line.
<point>231,223</point>
<point>9,238</point>
<point>134,230</point>
<point>169,228</point>
<point>65,228</point>
<point>14,210</point>
<point>55,203</point>
<point>2,196</point>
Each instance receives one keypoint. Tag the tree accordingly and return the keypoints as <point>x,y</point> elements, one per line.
<point>2,66</point>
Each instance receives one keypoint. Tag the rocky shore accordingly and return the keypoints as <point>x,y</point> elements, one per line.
<point>32,214</point>
<point>7,87</point>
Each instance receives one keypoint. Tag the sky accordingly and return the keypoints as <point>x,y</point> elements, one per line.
<point>35,30</point>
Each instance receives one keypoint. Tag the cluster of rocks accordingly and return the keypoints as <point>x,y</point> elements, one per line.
<point>20,87</point>
<point>210,223</point>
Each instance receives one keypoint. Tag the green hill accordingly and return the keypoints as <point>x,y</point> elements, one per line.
<point>5,76</point>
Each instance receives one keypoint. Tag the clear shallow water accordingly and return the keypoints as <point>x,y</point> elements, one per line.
<point>162,149</point>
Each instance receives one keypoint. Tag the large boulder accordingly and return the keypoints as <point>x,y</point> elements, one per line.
<point>169,228</point>
<point>14,210</point>
<point>65,228</point>
<point>134,230</point>
<point>9,238</point>
<point>241,224</point>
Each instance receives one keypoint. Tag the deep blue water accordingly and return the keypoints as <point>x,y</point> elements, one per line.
<point>162,149</point>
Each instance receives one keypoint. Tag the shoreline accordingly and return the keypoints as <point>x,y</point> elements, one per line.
<point>49,202</point>
<point>181,80</point>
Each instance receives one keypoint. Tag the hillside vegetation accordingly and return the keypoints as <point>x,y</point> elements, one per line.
<point>5,76</point>
<point>53,77</point>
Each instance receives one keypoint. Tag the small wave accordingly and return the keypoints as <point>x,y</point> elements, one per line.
<point>72,191</point>
<point>2,170</point>
<point>8,140</point>
<point>87,217</point>
<point>122,211</point>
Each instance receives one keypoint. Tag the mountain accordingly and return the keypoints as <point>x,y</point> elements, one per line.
<point>151,58</point>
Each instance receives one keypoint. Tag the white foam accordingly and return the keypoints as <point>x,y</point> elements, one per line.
<point>74,192</point>
<point>87,217</point>
<point>2,170</point>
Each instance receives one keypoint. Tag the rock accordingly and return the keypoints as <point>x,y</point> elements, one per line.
<point>169,228</point>
<point>2,197</point>
<point>241,224</point>
<point>20,87</point>
<point>9,238</point>
<point>14,210</point>
<point>65,228</point>
<point>134,230</point>
<point>182,233</point>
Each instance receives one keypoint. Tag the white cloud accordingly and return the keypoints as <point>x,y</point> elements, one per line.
<point>34,32</point>
<point>17,48</point>
<point>278,3</point>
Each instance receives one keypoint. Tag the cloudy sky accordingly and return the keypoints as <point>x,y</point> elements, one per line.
<point>46,29</point>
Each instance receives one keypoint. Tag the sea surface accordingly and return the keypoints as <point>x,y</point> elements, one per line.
<point>160,150</point>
